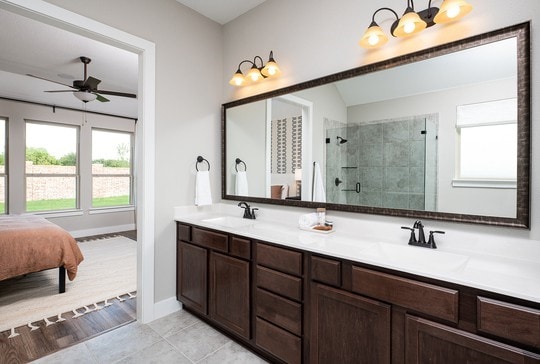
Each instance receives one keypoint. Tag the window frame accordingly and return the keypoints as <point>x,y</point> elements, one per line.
<point>5,174</point>
<point>488,182</point>
<point>77,174</point>
<point>131,204</point>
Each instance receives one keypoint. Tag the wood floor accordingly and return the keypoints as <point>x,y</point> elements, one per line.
<point>31,345</point>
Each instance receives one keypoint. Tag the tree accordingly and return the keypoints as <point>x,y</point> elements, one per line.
<point>2,159</point>
<point>69,159</point>
<point>40,156</point>
<point>123,151</point>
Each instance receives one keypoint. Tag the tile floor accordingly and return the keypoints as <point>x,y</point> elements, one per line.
<point>177,338</point>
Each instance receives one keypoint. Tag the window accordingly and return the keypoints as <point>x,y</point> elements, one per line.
<point>112,172</point>
<point>487,144</point>
<point>51,167</point>
<point>3,163</point>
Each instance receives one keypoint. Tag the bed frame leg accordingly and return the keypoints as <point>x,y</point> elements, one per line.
<point>61,279</point>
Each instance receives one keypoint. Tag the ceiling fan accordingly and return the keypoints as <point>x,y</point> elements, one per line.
<point>86,90</point>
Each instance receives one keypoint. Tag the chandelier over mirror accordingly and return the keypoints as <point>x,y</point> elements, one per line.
<point>256,72</point>
<point>413,22</point>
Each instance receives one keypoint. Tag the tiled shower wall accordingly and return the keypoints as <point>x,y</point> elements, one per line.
<point>384,164</point>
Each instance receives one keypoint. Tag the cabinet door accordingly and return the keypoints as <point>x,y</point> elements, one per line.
<point>430,342</point>
<point>229,293</point>
<point>192,276</point>
<point>347,328</point>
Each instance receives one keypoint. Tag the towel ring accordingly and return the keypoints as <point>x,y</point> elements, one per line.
<point>238,161</point>
<point>200,160</point>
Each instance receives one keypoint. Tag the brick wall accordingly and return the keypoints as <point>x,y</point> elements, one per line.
<point>41,188</point>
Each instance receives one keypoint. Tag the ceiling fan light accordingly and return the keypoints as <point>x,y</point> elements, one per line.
<point>373,37</point>
<point>409,24</point>
<point>85,96</point>
<point>451,10</point>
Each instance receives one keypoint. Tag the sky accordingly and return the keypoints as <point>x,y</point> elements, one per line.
<point>62,140</point>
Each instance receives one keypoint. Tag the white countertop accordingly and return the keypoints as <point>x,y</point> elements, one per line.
<point>516,276</point>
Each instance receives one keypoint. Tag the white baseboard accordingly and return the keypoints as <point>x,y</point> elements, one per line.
<point>166,307</point>
<point>102,230</point>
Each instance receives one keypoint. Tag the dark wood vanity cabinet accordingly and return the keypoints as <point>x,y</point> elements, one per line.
<point>213,277</point>
<point>293,306</point>
<point>279,302</point>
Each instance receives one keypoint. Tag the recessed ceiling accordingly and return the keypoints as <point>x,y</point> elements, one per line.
<point>221,11</point>
<point>32,47</point>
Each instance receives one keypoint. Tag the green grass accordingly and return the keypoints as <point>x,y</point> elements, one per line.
<point>110,201</point>
<point>69,203</point>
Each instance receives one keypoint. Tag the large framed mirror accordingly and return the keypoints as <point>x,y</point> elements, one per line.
<point>443,133</point>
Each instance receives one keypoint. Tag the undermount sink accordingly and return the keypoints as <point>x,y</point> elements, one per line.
<point>405,256</point>
<point>229,221</point>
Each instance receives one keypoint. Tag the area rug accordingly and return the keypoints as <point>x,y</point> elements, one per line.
<point>109,270</point>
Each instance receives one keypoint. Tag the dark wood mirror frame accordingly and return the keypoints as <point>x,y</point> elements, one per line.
<point>522,220</point>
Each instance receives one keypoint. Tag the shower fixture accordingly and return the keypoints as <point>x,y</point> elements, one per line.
<point>341,140</point>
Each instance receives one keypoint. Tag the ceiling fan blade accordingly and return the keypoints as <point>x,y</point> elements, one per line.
<point>91,83</point>
<point>60,91</point>
<point>44,79</point>
<point>114,93</point>
<point>101,98</point>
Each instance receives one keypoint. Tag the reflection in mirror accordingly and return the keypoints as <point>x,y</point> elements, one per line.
<point>436,134</point>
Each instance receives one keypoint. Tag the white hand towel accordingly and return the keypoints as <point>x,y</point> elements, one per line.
<point>308,220</point>
<point>241,183</point>
<point>284,191</point>
<point>203,195</point>
<point>319,193</point>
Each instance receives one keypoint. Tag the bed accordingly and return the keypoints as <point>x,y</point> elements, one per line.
<point>31,243</point>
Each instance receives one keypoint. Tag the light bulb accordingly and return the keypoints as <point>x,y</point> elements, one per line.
<point>453,11</point>
<point>373,39</point>
<point>408,27</point>
<point>271,70</point>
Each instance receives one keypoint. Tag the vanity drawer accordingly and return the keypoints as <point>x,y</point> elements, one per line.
<point>326,271</point>
<point>279,311</point>
<point>183,232</point>
<point>210,239</point>
<point>509,321</point>
<point>422,297</point>
<point>240,248</point>
<point>284,260</point>
<point>280,283</point>
<point>278,342</point>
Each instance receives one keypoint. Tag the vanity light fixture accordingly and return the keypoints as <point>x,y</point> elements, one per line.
<point>413,22</point>
<point>256,73</point>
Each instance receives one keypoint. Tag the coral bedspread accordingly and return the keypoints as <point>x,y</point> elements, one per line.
<point>31,244</point>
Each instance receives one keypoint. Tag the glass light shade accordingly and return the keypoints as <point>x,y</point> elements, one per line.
<point>298,174</point>
<point>238,79</point>
<point>85,96</point>
<point>271,69</point>
<point>451,10</point>
<point>409,24</point>
<point>373,37</point>
<point>254,74</point>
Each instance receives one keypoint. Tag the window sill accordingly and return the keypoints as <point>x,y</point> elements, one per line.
<point>48,214</point>
<point>108,210</point>
<point>484,183</point>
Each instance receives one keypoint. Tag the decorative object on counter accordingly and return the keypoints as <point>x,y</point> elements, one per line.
<point>298,180</point>
<point>321,215</point>
<point>241,186</point>
<point>203,195</point>
<point>421,241</point>
<point>249,213</point>
<point>256,73</point>
<point>413,22</point>
<point>319,192</point>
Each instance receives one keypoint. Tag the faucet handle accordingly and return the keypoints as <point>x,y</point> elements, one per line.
<point>412,238</point>
<point>253,212</point>
<point>431,240</point>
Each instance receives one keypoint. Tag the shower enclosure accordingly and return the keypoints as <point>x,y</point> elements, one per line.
<point>391,163</point>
